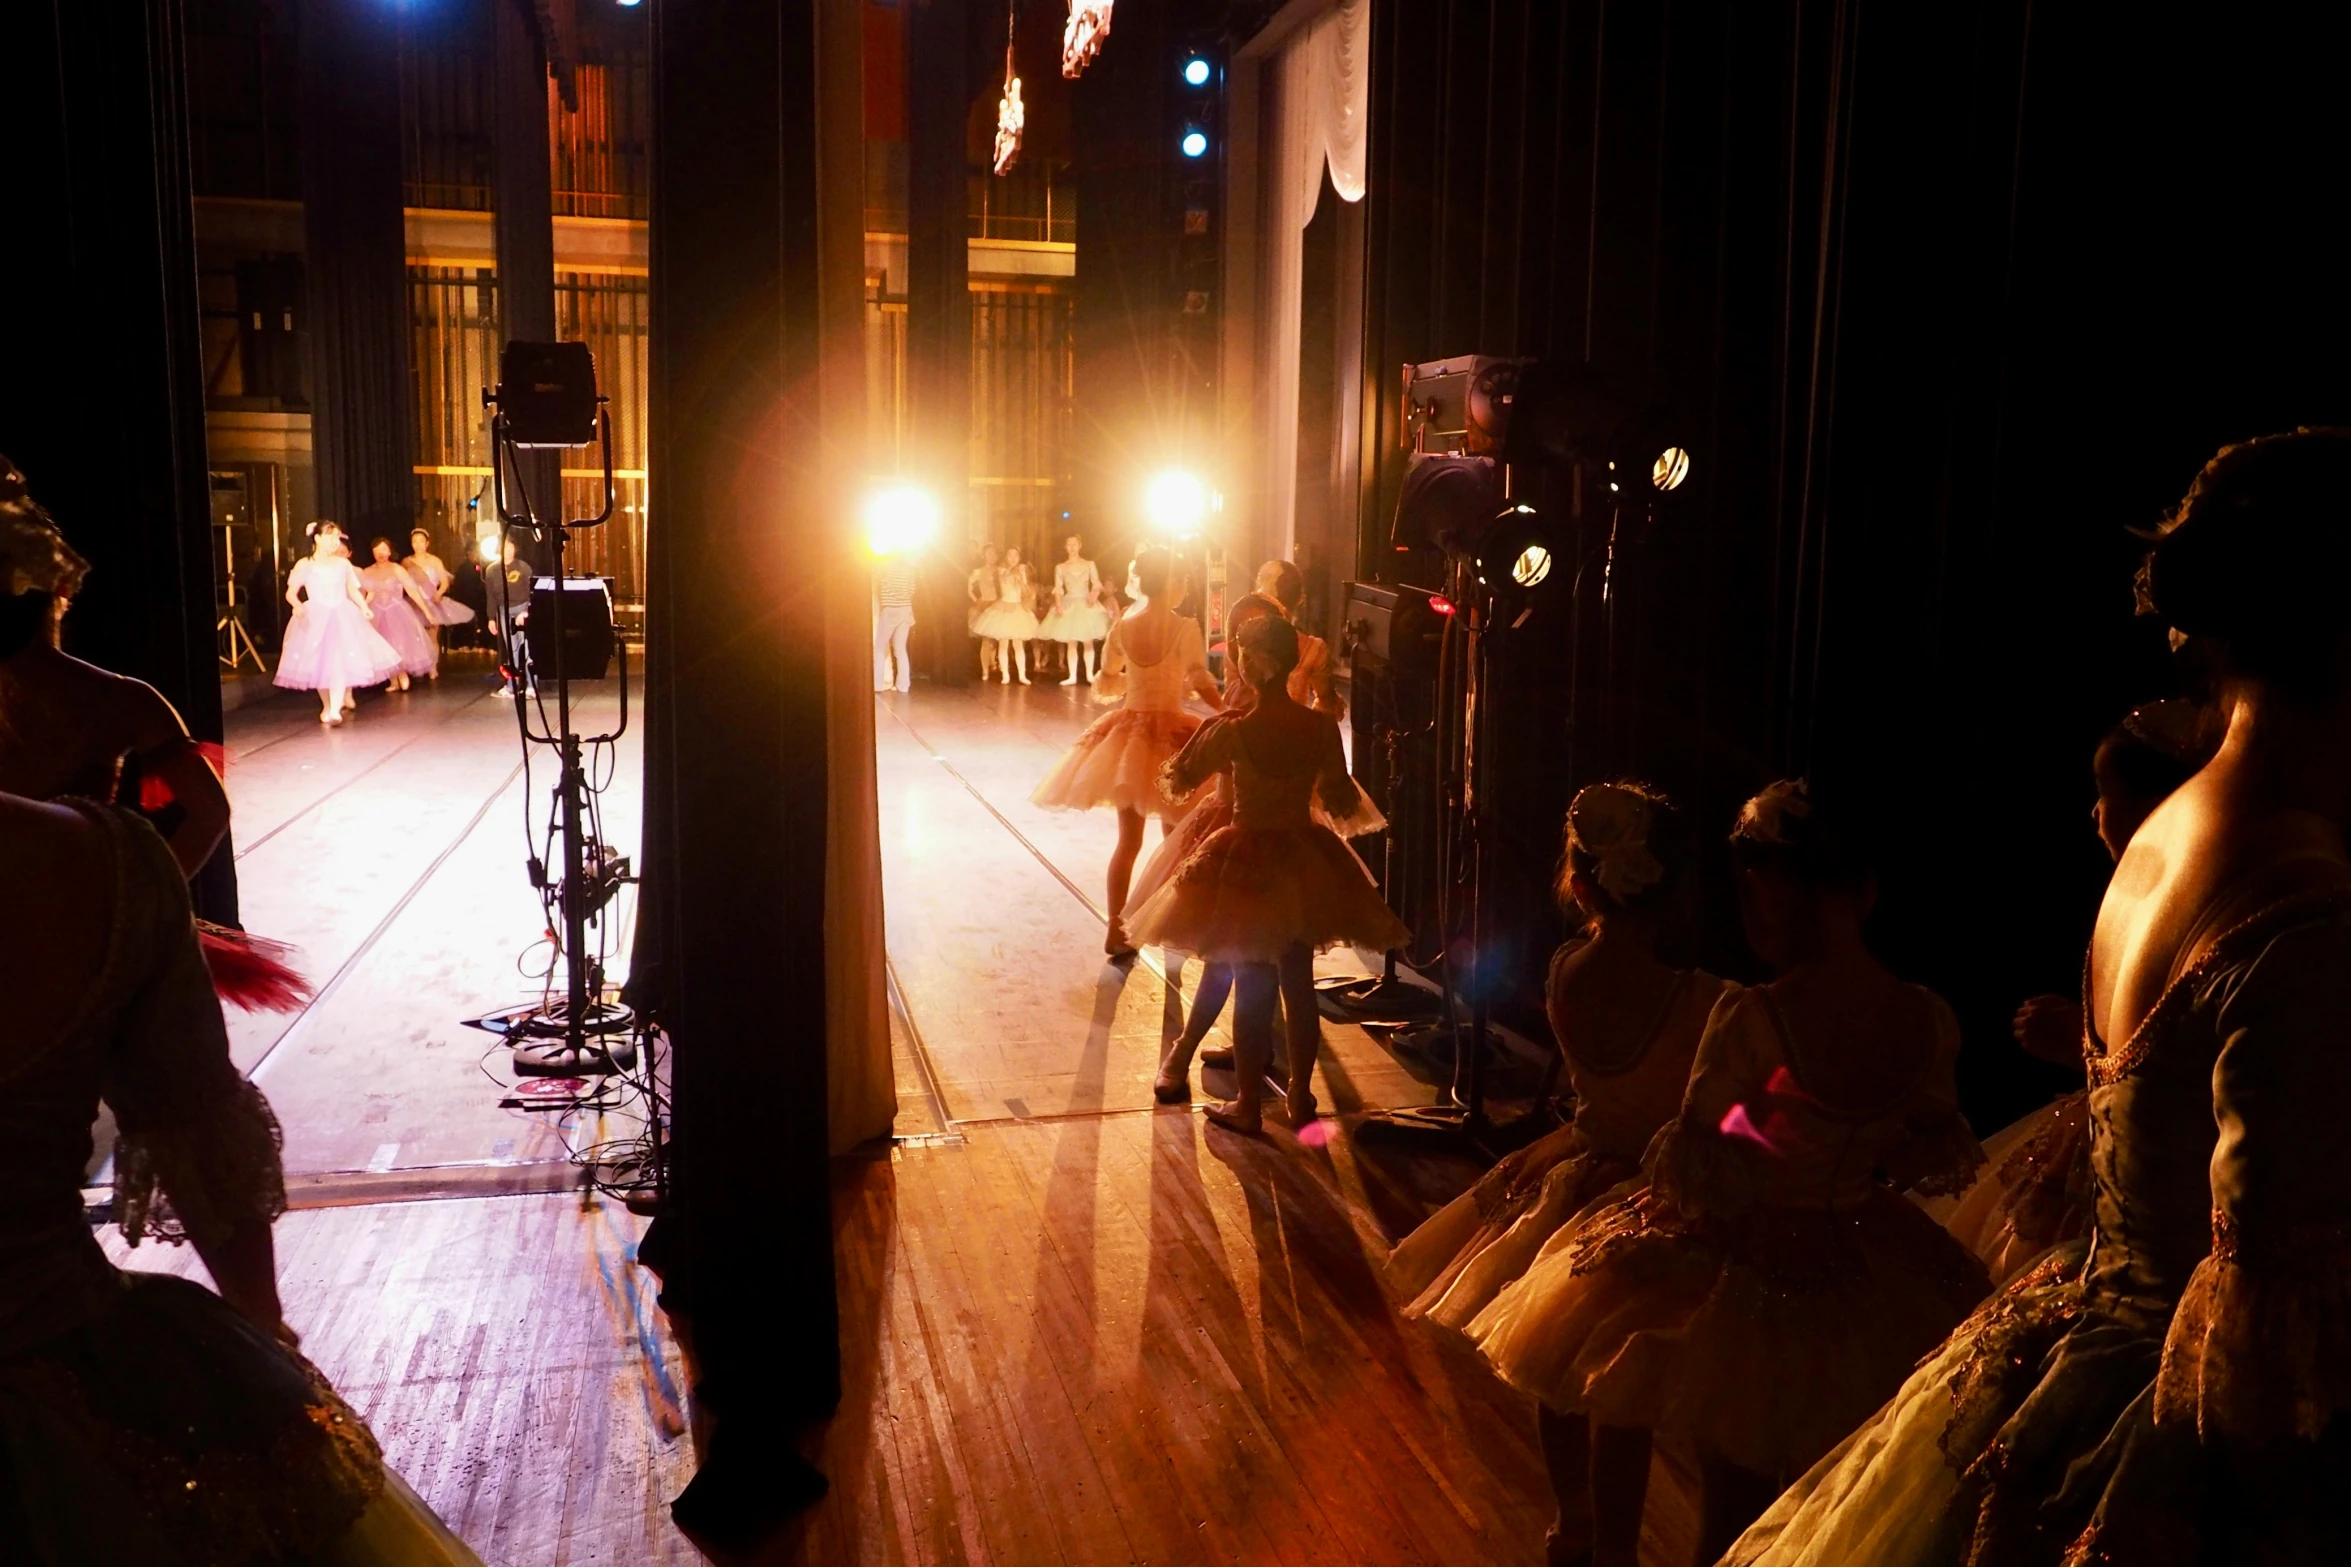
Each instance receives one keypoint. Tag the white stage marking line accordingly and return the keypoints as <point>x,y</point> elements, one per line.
<point>437,723</point>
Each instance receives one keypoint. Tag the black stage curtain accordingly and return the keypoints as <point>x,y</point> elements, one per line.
<point>362,416</point>
<point>1949,297</point>
<point>522,212</point>
<point>102,404</point>
<point>731,952</point>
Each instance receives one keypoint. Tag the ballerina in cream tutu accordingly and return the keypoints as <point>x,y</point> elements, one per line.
<point>331,644</point>
<point>1275,885</point>
<point>1078,619</point>
<point>1007,620</point>
<point>2036,1190</point>
<point>1152,660</point>
<point>1628,1028</point>
<point>1769,1287</point>
<point>2178,1389</point>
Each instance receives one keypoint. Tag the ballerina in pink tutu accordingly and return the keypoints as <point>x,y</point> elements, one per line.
<point>1152,659</point>
<point>1276,885</point>
<point>330,646</point>
<point>433,575</point>
<point>401,611</point>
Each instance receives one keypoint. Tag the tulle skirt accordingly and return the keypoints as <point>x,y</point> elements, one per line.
<point>1212,809</point>
<point>446,611</point>
<point>399,624</point>
<point>1250,894</point>
<point>331,645</point>
<point>1002,622</point>
<point>1076,622</point>
<point>2035,1191</point>
<point>1116,763</point>
<point>1763,1340</point>
<point>1466,1253</point>
<point>170,1432</point>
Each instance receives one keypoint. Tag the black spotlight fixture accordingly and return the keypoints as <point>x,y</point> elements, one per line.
<point>1516,560</point>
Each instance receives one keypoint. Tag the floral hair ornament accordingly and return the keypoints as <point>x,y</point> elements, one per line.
<point>1773,815</point>
<point>1611,824</point>
<point>34,557</point>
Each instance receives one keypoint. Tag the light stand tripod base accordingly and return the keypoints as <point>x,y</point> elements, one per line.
<point>1371,1000</point>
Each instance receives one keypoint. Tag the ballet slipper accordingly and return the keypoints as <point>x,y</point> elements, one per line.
<point>1234,1116</point>
<point>1302,1109</point>
<point>1116,943</point>
<point>1175,1090</point>
<point>1072,680</point>
<point>1217,1058</point>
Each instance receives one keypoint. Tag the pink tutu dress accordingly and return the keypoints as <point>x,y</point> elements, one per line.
<point>1469,1251</point>
<point>1116,762</point>
<point>397,618</point>
<point>1768,1289</point>
<point>329,644</point>
<point>1274,877</point>
<point>434,578</point>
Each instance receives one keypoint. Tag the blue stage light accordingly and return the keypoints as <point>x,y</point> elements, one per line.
<point>1197,71</point>
<point>1195,144</point>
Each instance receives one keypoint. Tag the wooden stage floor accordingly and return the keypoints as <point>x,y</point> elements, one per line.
<point>1078,1328</point>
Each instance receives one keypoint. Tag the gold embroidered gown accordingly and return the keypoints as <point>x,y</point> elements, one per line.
<point>142,1419</point>
<point>1451,1267</point>
<point>1768,1288</point>
<point>2035,1192</point>
<point>2173,1389</point>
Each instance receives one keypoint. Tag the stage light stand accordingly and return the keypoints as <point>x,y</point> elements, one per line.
<point>582,1035</point>
<point>1374,1000</point>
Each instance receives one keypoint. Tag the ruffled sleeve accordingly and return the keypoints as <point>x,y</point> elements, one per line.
<point>1706,1160</point>
<point>197,1155</point>
<point>1207,753</point>
<point>1933,1151</point>
<point>1340,802</point>
<point>2260,1347</point>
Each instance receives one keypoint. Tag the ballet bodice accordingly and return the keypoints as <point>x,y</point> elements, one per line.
<point>325,581</point>
<point>1012,586</point>
<point>385,583</point>
<point>146,1035</point>
<point>1621,1100</point>
<point>1075,581</point>
<point>2222,1110</point>
<point>1755,1130</point>
<point>430,575</point>
<point>1264,799</point>
<point>1159,686</point>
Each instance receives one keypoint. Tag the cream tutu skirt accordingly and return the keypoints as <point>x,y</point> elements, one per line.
<point>1764,1340</point>
<point>1002,622</point>
<point>1116,763</point>
<point>1250,894</point>
<point>1469,1251</point>
<point>2035,1191</point>
<point>330,644</point>
<point>1079,622</point>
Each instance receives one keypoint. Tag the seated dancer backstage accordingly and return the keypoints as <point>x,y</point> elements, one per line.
<point>149,1420</point>
<point>2036,1190</point>
<point>1628,1026</point>
<point>1152,660</point>
<point>1275,885</point>
<point>2178,1388</point>
<point>1769,1288</point>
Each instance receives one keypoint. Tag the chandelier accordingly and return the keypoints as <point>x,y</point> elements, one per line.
<point>1083,37</point>
<point>1009,119</point>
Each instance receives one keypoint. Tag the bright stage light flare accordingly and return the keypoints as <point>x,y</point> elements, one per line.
<point>1177,503</point>
<point>900,519</point>
<point>489,549</point>
<point>1670,469</point>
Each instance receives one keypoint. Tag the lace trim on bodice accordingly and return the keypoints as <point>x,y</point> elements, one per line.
<point>2106,1066</point>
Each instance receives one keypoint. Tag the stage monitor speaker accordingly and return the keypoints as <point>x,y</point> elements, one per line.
<point>547,391</point>
<point>586,653</point>
<point>1394,630</point>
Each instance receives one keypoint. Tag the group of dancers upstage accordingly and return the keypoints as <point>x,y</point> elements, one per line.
<point>1004,616</point>
<point>2118,1332</point>
<point>354,627</point>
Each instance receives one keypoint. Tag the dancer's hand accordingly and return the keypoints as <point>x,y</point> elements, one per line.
<point>2050,1027</point>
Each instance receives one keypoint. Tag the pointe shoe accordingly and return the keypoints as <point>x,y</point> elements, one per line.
<point>1072,680</point>
<point>1302,1110</point>
<point>1218,1057</point>
<point>1116,943</point>
<point>1233,1116</point>
<point>1172,1090</point>
<point>1024,680</point>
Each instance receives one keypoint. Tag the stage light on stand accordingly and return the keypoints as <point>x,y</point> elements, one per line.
<point>1177,503</point>
<point>1670,469</point>
<point>900,519</point>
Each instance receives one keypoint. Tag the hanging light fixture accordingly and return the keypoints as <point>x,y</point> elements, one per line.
<point>1010,117</point>
<point>1082,38</point>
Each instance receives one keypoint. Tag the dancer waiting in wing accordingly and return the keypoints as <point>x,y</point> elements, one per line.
<point>1769,1288</point>
<point>1007,621</point>
<point>1276,885</point>
<point>2178,1388</point>
<point>331,644</point>
<point>72,729</point>
<point>401,615</point>
<point>1312,682</point>
<point>150,1420</point>
<point>1628,1026</point>
<point>433,575</point>
<point>2037,1190</point>
<point>1152,660</point>
<point>980,588</point>
<point>1077,620</point>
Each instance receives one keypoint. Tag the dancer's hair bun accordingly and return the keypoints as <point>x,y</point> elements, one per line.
<point>1273,639</point>
<point>2258,552</point>
<point>1626,839</point>
<point>1785,829</point>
